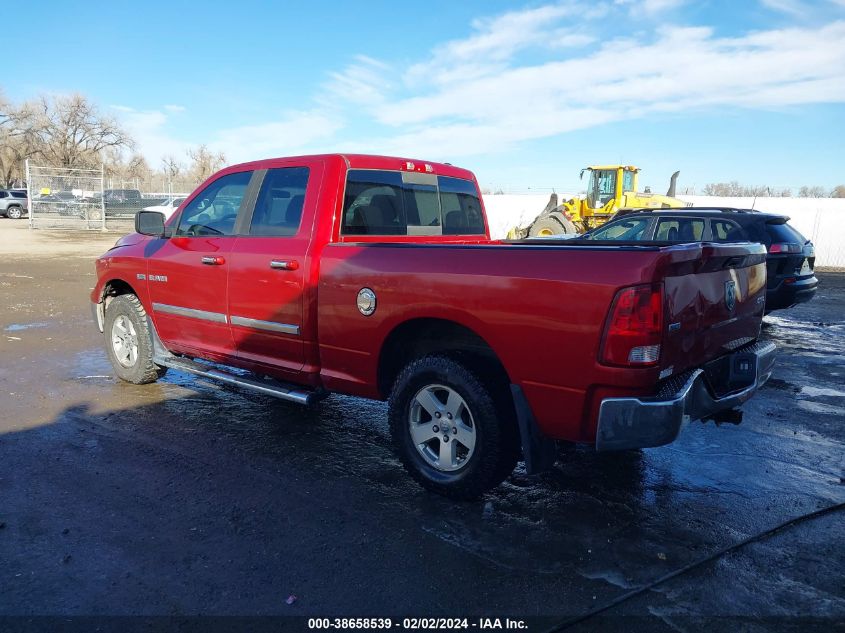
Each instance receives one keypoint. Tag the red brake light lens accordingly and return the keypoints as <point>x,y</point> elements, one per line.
<point>785,248</point>
<point>634,327</point>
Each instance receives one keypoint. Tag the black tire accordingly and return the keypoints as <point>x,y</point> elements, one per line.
<point>496,447</point>
<point>15,213</point>
<point>143,370</point>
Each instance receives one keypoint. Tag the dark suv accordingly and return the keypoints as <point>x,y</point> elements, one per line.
<point>120,202</point>
<point>789,263</point>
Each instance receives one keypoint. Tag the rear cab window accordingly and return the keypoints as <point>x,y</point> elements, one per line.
<point>394,203</point>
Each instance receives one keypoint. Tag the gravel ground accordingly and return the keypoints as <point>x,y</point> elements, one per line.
<point>181,498</point>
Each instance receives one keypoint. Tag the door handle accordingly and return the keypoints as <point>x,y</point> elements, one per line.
<point>284,264</point>
<point>214,261</point>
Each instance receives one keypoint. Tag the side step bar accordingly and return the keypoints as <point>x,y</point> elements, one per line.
<point>267,387</point>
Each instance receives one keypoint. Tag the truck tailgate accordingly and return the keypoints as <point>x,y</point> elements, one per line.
<point>713,300</point>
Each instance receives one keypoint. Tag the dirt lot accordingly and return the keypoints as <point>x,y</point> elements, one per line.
<point>182,498</point>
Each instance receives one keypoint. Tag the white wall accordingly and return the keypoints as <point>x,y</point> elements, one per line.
<point>821,220</point>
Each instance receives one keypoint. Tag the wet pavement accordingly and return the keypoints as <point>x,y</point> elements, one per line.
<point>184,498</point>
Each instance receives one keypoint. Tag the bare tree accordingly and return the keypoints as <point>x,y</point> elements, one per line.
<point>812,192</point>
<point>17,141</point>
<point>204,162</point>
<point>838,192</point>
<point>736,190</point>
<point>71,132</point>
<point>171,167</point>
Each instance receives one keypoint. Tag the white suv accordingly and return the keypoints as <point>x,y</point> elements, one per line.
<point>13,203</point>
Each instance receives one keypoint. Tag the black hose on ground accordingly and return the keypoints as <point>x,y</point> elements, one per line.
<point>703,561</point>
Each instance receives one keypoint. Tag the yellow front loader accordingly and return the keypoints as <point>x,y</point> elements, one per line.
<point>609,189</point>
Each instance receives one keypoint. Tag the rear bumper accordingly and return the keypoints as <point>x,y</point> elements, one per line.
<point>626,423</point>
<point>786,295</point>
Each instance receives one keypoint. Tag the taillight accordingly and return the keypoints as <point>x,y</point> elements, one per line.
<point>634,327</point>
<point>785,247</point>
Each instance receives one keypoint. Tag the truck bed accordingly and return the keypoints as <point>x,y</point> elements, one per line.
<point>542,306</point>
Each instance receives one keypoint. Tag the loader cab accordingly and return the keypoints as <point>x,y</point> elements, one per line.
<point>610,182</point>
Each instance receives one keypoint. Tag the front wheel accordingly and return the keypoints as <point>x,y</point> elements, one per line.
<point>129,342</point>
<point>449,430</point>
<point>15,213</point>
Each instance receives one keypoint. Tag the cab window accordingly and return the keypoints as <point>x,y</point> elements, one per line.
<point>381,202</point>
<point>605,186</point>
<point>627,180</point>
<point>278,210</point>
<point>215,209</point>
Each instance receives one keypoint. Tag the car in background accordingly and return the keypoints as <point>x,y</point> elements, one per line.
<point>116,196</point>
<point>120,202</point>
<point>13,203</point>
<point>168,206</point>
<point>790,258</point>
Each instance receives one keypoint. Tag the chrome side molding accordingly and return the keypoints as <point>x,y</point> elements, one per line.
<point>270,326</point>
<point>215,317</point>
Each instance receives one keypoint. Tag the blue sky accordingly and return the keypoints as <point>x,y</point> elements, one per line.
<point>524,94</point>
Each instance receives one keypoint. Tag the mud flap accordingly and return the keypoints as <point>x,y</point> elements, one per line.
<point>539,451</point>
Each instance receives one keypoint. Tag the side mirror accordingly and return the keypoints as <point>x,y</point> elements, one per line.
<point>150,223</point>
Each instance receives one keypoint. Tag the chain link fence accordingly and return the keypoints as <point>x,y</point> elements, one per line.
<point>87,199</point>
<point>65,198</point>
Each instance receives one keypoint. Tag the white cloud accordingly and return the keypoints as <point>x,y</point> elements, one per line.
<point>496,40</point>
<point>364,81</point>
<point>650,7</point>
<point>537,73</point>
<point>679,69</point>
<point>792,7</point>
<point>174,108</point>
<point>294,133</point>
<point>148,128</point>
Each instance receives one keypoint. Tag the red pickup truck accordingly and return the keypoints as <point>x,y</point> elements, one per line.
<point>376,277</point>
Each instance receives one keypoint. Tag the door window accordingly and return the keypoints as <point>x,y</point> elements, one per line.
<point>679,230</point>
<point>278,210</point>
<point>633,229</point>
<point>606,186</point>
<point>215,209</point>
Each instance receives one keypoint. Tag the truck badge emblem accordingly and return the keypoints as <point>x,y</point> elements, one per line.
<point>730,295</point>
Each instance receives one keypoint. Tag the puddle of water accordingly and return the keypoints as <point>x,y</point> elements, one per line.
<point>818,407</point>
<point>17,327</point>
<point>814,392</point>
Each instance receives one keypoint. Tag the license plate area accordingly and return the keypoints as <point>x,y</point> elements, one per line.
<point>731,373</point>
<point>806,269</point>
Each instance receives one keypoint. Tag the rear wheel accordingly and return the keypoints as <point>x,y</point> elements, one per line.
<point>129,341</point>
<point>448,429</point>
<point>16,213</point>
